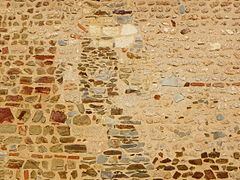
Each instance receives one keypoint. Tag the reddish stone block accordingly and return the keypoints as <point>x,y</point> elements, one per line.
<point>197,84</point>
<point>6,115</point>
<point>73,157</point>
<point>236,84</point>
<point>45,79</point>
<point>5,50</point>
<point>58,116</point>
<point>26,175</point>
<point>13,154</point>
<point>26,80</point>
<point>14,71</point>
<point>39,156</point>
<point>26,90</point>
<point>44,90</point>
<point>48,62</point>
<point>82,28</point>
<point>44,57</point>
<point>157,97</point>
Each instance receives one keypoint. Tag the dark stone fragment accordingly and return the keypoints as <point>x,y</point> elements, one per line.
<point>179,154</point>
<point>209,174</point>
<point>135,167</point>
<point>167,160</point>
<point>214,154</point>
<point>222,175</point>
<point>58,116</point>
<point>187,84</point>
<point>204,155</point>
<point>214,167</point>
<point>197,175</point>
<point>6,115</point>
<point>155,160</point>
<point>14,163</point>
<point>122,12</point>
<point>169,168</point>
<point>232,168</point>
<point>195,161</point>
<point>236,155</point>
<point>75,148</point>
<point>176,175</point>
<point>208,160</point>
<point>185,31</point>
<point>112,152</point>
<point>182,167</point>
<point>90,172</point>
<point>74,174</point>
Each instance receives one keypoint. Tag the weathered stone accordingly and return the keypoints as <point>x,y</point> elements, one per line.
<point>197,175</point>
<point>75,148</point>
<point>101,159</point>
<point>48,174</point>
<point>35,129</point>
<point>128,29</point>
<point>6,115</point>
<point>81,120</point>
<point>57,164</point>
<point>63,130</point>
<point>124,42</point>
<point>195,161</point>
<point>135,167</point>
<point>48,130</point>
<point>8,128</point>
<point>116,111</point>
<point>31,164</point>
<point>215,46</point>
<point>106,174</point>
<point>222,175</point>
<point>209,174</point>
<point>90,172</point>
<point>169,82</point>
<point>178,97</point>
<point>176,175</point>
<point>67,139</point>
<point>217,135</point>
<point>56,148</point>
<point>81,108</point>
<point>13,140</point>
<point>220,117</point>
<point>112,152</point>
<point>23,114</point>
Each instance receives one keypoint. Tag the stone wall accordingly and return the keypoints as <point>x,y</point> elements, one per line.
<point>119,89</point>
